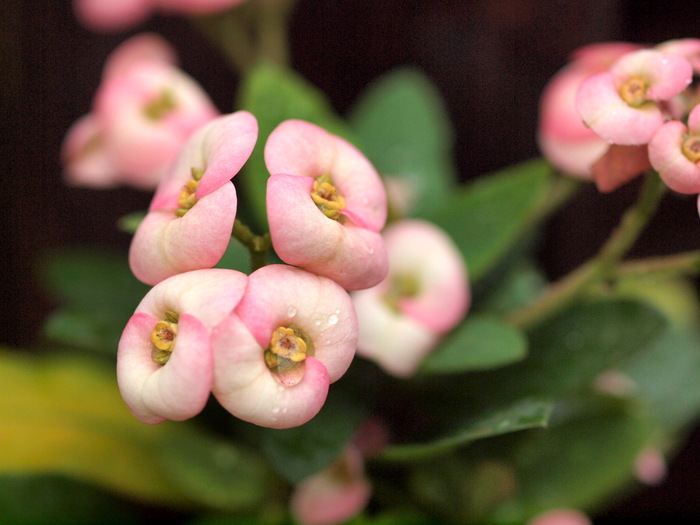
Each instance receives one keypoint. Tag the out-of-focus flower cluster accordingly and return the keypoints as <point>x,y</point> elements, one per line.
<point>619,109</point>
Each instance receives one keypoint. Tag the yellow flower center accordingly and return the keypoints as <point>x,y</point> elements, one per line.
<point>691,147</point>
<point>286,355</point>
<point>326,197</point>
<point>634,91</point>
<point>163,338</point>
<point>161,106</point>
<point>402,285</point>
<point>187,198</point>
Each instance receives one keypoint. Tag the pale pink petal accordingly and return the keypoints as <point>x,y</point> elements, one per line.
<point>245,387</point>
<point>219,149</point>
<point>280,295</point>
<point>142,47</point>
<point>619,165</point>
<point>694,119</point>
<point>296,147</point>
<point>665,152</point>
<point>303,236</point>
<point>111,15</point>
<point>560,517</point>
<point>395,342</point>
<point>424,252</point>
<point>666,74</point>
<point>209,294</point>
<point>165,244</point>
<point>600,56</point>
<point>334,495</point>
<point>599,104</point>
<point>689,48</point>
<point>85,159</point>
<point>179,389</point>
<point>650,466</point>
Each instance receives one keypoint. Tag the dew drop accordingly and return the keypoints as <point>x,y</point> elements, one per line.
<point>291,311</point>
<point>275,410</point>
<point>280,388</point>
<point>333,319</point>
<point>317,322</point>
<point>370,250</point>
<point>337,311</point>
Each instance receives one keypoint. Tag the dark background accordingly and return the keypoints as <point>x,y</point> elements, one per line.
<point>490,59</point>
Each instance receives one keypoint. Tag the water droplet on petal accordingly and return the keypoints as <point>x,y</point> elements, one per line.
<point>370,250</point>
<point>291,311</point>
<point>332,319</point>
<point>317,322</point>
<point>280,388</point>
<point>275,410</point>
<point>337,311</point>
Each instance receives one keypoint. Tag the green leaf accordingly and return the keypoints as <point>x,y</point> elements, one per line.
<point>404,130</point>
<point>97,294</point>
<point>479,343</point>
<point>579,461</point>
<point>236,257</point>
<point>488,216</point>
<point>62,500</point>
<point>567,352</point>
<point>297,453</point>
<point>64,415</point>
<point>524,414</point>
<point>666,376</point>
<point>274,95</point>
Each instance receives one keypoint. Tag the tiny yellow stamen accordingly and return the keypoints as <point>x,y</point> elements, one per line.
<point>634,91</point>
<point>161,106</point>
<point>287,344</point>
<point>163,338</point>
<point>402,285</point>
<point>326,197</point>
<point>188,198</point>
<point>691,147</point>
<point>286,355</point>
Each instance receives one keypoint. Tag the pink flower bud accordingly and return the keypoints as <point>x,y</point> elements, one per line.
<point>425,294</point>
<point>561,517</point>
<point>326,205</point>
<point>165,359</point>
<point>191,216</point>
<point>292,334</point>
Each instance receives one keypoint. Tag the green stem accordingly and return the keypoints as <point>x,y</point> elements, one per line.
<point>258,245</point>
<point>603,264</point>
<point>681,264</point>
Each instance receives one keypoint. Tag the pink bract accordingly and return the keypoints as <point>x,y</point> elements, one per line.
<point>166,244</point>
<point>283,296</point>
<point>563,138</point>
<point>560,517</point>
<point>333,495</point>
<point>606,112</point>
<point>143,112</point>
<point>425,294</point>
<point>117,15</point>
<point>348,250</point>
<point>179,389</point>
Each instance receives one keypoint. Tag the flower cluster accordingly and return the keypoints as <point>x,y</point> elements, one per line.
<point>266,345</point>
<point>619,109</point>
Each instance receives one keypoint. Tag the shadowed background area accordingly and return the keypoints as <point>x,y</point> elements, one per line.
<point>490,60</point>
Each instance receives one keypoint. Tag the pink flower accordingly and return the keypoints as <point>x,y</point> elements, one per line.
<point>563,138</point>
<point>325,205</point>
<point>333,495</point>
<point>650,466</point>
<point>625,104</point>
<point>560,517</point>
<point>292,334</point>
<point>165,359</point>
<point>116,15</point>
<point>425,294</point>
<point>190,219</point>
<point>674,151</point>
<point>143,112</point>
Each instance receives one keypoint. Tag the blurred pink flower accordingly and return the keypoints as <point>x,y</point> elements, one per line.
<point>650,466</point>
<point>560,517</point>
<point>165,358</point>
<point>624,104</point>
<point>335,494</point>
<point>425,294</point>
<point>143,112</point>
<point>674,151</point>
<point>292,334</point>
<point>117,15</point>
<point>190,219</point>
<point>562,136</point>
<point>326,205</point>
